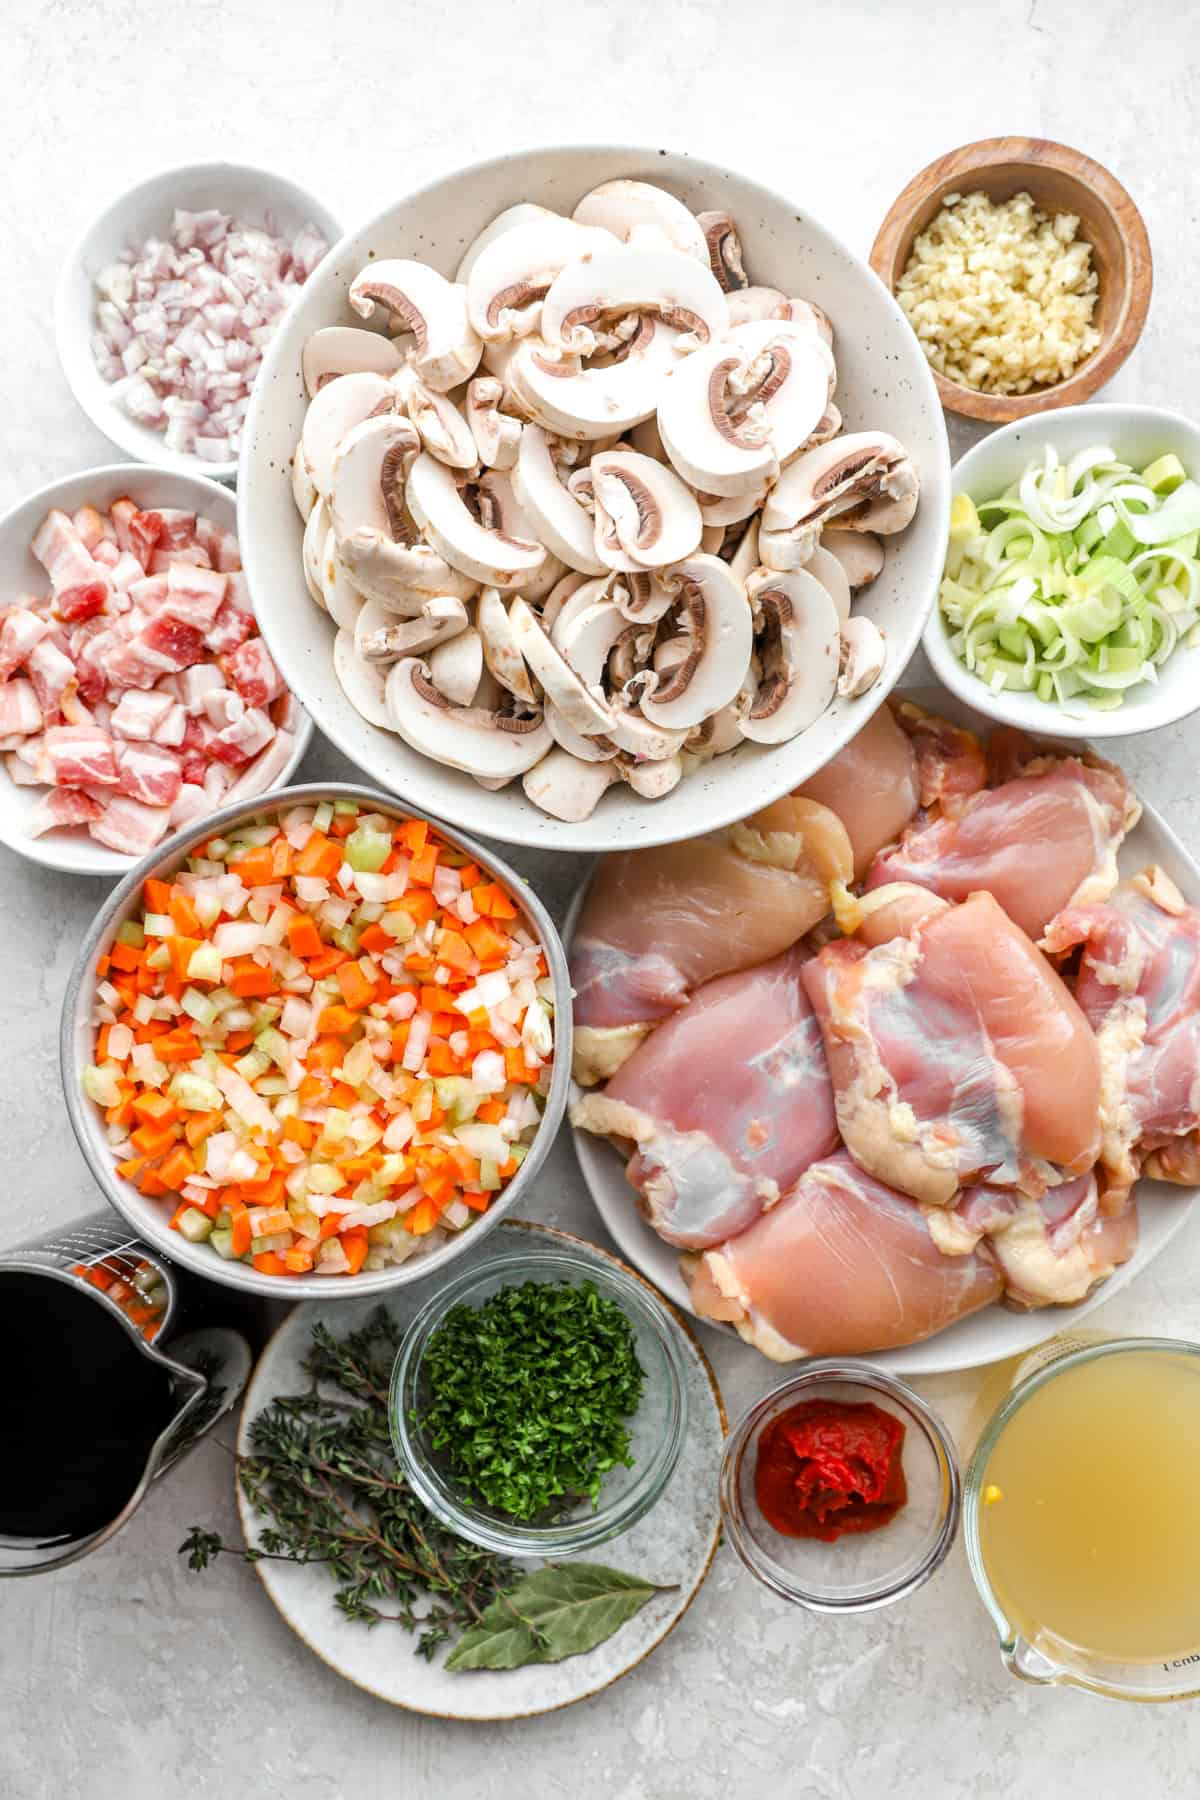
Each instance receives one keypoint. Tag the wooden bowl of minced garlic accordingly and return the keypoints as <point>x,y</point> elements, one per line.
<point>1024,269</point>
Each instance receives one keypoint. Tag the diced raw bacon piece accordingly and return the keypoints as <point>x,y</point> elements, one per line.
<point>200,679</point>
<point>217,782</point>
<point>221,706</point>
<point>194,595</point>
<point>20,773</point>
<point>18,635</point>
<point>191,802</point>
<point>91,644</point>
<point>20,713</point>
<point>192,554</point>
<point>81,585</point>
<point>177,644</point>
<point>32,752</point>
<point>107,554</point>
<point>82,753</point>
<point>149,593</point>
<point>128,826</point>
<point>139,713</point>
<point>171,730</point>
<point>127,572</point>
<point>151,773</point>
<point>62,807</point>
<point>52,674</point>
<point>90,525</point>
<point>194,757</point>
<point>137,531</point>
<point>253,673</point>
<point>231,627</point>
<point>265,770</point>
<point>129,665</point>
<point>177,528</point>
<point>222,545</point>
<point>244,738</point>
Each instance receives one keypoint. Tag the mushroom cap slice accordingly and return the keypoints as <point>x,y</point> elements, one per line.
<point>304,491</point>
<point>345,350</point>
<point>860,554</point>
<point>483,743</point>
<point>446,350</point>
<point>629,278</point>
<point>491,557</point>
<point>757,303</point>
<point>862,656</point>
<point>634,734</point>
<point>441,427</point>
<point>510,277</point>
<point>832,478</point>
<point>640,212</point>
<point>587,639</point>
<point>456,667</point>
<point>401,577</point>
<point>721,627</point>
<point>587,749</point>
<point>799,648</point>
<point>579,706</point>
<point>363,686</point>
<point>312,551</point>
<point>560,521</point>
<point>380,637</point>
<point>744,560</point>
<point>651,779</point>
<point>333,412</point>
<point>566,787</point>
<point>731,509</point>
<point>731,414</point>
<point>581,402</point>
<point>343,599</point>
<point>521,214</point>
<point>641,598</point>
<point>368,474</point>
<point>832,577</point>
<point>501,651</point>
<point>724,250</point>
<point>580,600</point>
<point>645,516</point>
<point>497,434</point>
<point>558,596</point>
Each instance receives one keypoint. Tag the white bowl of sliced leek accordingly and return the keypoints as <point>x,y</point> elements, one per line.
<point>1070,601</point>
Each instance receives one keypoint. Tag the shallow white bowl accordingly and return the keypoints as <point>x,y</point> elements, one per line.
<point>1138,434</point>
<point>21,573</point>
<point>883,380</point>
<point>145,211</point>
<point>149,1218</point>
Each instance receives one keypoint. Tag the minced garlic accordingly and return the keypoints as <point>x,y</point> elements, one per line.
<point>1001,296</point>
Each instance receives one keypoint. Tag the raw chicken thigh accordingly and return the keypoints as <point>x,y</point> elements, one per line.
<point>727,1103</point>
<point>957,1055</point>
<point>1050,1252</point>
<point>1044,840</point>
<point>843,1265</point>
<point>1139,985</point>
<point>658,923</point>
<point>872,787</point>
<point>952,764</point>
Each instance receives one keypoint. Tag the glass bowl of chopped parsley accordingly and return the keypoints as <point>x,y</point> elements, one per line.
<point>539,1402</point>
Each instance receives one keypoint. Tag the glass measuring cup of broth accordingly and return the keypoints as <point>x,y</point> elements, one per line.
<point>1082,1520</point>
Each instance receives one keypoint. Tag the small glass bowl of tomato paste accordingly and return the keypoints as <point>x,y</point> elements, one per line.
<point>840,1489</point>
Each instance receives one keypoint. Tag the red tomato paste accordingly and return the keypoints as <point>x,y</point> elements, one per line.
<point>826,1467</point>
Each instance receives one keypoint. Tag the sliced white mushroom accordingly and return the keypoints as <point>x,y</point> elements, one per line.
<point>809,313</point>
<point>343,599</point>
<point>634,734</point>
<point>745,558</point>
<point>713,604</point>
<point>832,577</point>
<point>456,666</point>
<point>489,744</point>
<point>847,480</point>
<point>757,303</point>
<point>313,550</point>
<point>363,686</point>
<point>304,491</point>
<point>371,617</point>
<point>628,278</point>
<point>860,554</point>
<point>380,637</point>
<point>511,276</point>
<point>537,586</point>
<point>824,431</point>
<point>645,439</point>
<point>646,517</point>
<point>497,434</point>
<point>798,646</point>
<point>730,414</point>
<point>579,706</point>
<point>446,350</point>
<point>333,412</point>
<point>560,522</point>
<point>401,577</point>
<point>730,509</point>
<point>587,749</point>
<point>345,350</point>
<point>367,478</point>
<point>725,732</point>
<point>501,651</point>
<point>488,556</point>
<point>638,212</point>
<point>588,639</point>
<point>566,787</point>
<point>521,214</point>
<point>724,250</point>
<point>651,779</point>
<point>558,596</point>
<point>442,428</point>
<point>862,656</point>
<point>712,539</point>
<point>641,597</point>
<point>576,401</point>
<point>579,601</point>
<point>631,652</point>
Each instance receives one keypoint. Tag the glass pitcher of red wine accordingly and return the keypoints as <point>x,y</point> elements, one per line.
<point>104,1395</point>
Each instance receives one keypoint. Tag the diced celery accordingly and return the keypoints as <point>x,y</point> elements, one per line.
<point>323,817</point>
<point>195,1226</point>
<point>273,1044</point>
<point>158,925</point>
<point>130,932</point>
<point>204,964</point>
<point>358,1063</point>
<point>198,1006</point>
<point>1164,474</point>
<point>347,938</point>
<point>195,1093</point>
<point>323,1178</point>
<point>368,850</point>
<point>272,1087</point>
<point>279,1240</point>
<point>218,849</point>
<point>399,925</point>
<point>489,1175</point>
<point>346,808</point>
<point>252,1065</point>
<point>221,1240</point>
<point>159,957</point>
<point>101,1085</point>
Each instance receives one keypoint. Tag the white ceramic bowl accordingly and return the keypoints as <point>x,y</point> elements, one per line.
<point>1138,434</point>
<point>883,380</point>
<point>144,211</point>
<point>21,573</point>
<point>149,1218</point>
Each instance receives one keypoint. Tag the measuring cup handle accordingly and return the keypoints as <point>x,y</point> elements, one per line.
<point>1028,1664</point>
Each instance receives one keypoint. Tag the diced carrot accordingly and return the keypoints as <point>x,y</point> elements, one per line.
<point>157,894</point>
<point>436,1117</point>
<point>312,1089</point>
<point>130,1167</point>
<point>172,986</point>
<point>443,1024</point>
<point>357,991</point>
<point>200,1125</point>
<point>419,965</point>
<point>476,1202</point>
<point>454,950</point>
<point>330,1224</point>
<point>299,1131</point>
<point>466,1166</point>
<point>485,941</point>
<point>303,937</point>
<point>281,858</point>
<point>155,1109</point>
<point>329,959</point>
<point>509,1168</point>
<point>103,964</point>
<point>278,1221</point>
<point>420,906</point>
<point>124,956</point>
<point>343,824</point>
<point>145,980</point>
<point>255,868</point>
<point>470,875</point>
<point>151,1185</point>
<point>343,1094</point>
<point>413,834</point>
<point>237,1041</point>
<point>400,1040</point>
<point>140,1315</point>
<point>250,981</point>
<point>242,1233</point>
<point>376,941</point>
<point>434,998</point>
<point>354,1243</point>
<point>175,1168</point>
<point>319,857</point>
<point>268,1263</point>
<point>441,1060</point>
<point>102,1043</point>
<point>298,1261</point>
<point>421,1218</point>
<point>121,1114</point>
<point>421,869</point>
<point>184,916</point>
<point>177,1046</point>
<point>325,1053</point>
<point>153,1140</point>
<point>182,950</point>
<point>491,1111</point>
<point>438,1188</point>
<point>270,1192</point>
<point>516,1068</point>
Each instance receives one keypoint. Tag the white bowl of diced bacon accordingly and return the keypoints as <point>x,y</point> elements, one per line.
<point>317,1048</point>
<point>135,692</point>
<point>168,300</point>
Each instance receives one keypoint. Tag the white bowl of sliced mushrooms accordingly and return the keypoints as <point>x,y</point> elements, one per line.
<point>565,523</point>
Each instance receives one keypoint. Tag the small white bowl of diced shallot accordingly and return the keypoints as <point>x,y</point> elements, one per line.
<point>136,695</point>
<point>168,300</point>
<point>317,1048</point>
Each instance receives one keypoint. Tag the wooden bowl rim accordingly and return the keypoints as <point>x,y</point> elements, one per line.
<point>945,173</point>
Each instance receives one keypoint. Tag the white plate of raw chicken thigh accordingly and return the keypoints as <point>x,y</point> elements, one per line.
<point>932,1279</point>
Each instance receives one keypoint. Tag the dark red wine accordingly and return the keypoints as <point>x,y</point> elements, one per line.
<point>81,1410</point>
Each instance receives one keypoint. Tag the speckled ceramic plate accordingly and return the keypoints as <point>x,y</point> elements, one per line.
<point>987,1336</point>
<point>674,1543</point>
